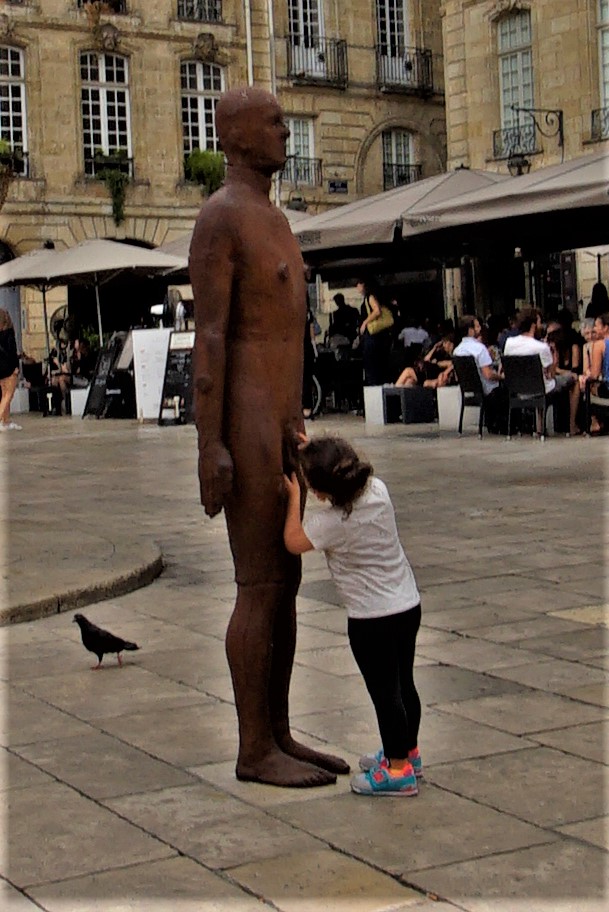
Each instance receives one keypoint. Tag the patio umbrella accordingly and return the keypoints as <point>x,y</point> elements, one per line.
<point>376,219</point>
<point>563,204</point>
<point>92,262</point>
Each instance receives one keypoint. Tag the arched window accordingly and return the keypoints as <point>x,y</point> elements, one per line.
<point>201,87</point>
<point>105,112</point>
<point>13,122</point>
<point>399,167</point>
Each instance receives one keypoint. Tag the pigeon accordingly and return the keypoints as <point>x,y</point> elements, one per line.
<point>99,641</point>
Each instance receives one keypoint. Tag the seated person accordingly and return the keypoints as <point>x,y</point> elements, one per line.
<point>526,343</point>
<point>565,362</point>
<point>61,371</point>
<point>495,405</point>
<point>434,369</point>
<point>344,323</point>
<point>83,364</point>
<point>596,364</point>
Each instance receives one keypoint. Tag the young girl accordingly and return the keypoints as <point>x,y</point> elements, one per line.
<point>359,537</point>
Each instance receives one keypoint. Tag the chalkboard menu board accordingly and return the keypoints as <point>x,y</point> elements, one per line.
<point>176,401</point>
<point>96,400</point>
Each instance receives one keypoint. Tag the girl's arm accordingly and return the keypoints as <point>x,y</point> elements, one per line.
<point>294,539</point>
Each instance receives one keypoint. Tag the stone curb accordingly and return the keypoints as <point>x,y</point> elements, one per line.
<point>80,596</point>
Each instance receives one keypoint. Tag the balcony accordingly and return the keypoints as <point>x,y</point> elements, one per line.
<point>96,164</point>
<point>115,6</point>
<point>323,60</point>
<point>514,140</point>
<point>200,10</point>
<point>404,69</point>
<point>399,175</point>
<point>600,125</point>
<point>302,172</point>
<point>17,162</point>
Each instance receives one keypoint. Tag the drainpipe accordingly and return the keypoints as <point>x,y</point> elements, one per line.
<point>248,41</point>
<point>270,15</point>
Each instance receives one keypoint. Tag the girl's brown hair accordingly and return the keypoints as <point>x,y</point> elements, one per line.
<point>5,319</point>
<point>331,466</point>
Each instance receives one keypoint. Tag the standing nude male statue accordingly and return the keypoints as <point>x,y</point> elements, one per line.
<point>249,289</point>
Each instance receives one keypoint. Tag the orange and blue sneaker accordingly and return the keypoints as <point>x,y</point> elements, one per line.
<point>370,761</point>
<point>381,780</point>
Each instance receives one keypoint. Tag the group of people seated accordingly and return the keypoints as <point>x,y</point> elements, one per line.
<point>569,360</point>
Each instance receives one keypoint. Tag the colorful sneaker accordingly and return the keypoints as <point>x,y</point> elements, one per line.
<point>371,761</point>
<point>380,781</point>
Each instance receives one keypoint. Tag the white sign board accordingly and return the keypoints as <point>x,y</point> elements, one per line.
<point>150,348</point>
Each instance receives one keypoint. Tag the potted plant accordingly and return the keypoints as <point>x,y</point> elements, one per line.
<point>206,168</point>
<point>113,169</point>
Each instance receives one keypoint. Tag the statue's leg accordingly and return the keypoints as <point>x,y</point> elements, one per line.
<point>249,648</point>
<point>284,638</point>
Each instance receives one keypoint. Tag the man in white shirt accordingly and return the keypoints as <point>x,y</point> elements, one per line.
<point>495,405</point>
<point>413,335</point>
<point>527,344</point>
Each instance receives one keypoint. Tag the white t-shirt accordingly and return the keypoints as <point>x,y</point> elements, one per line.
<point>527,345</point>
<point>364,554</point>
<point>470,346</point>
<point>413,335</point>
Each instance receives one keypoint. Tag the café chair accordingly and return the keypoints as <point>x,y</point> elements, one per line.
<point>526,387</point>
<point>470,384</point>
<point>595,404</point>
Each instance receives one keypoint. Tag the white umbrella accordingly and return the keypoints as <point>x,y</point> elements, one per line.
<point>92,262</point>
<point>374,219</point>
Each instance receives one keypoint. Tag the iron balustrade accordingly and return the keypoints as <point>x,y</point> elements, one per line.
<point>302,171</point>
<point>600,124</point>
<point>318,60</point>
<point>404,69</point>
<point>95,164</point>
<point>200,10</point>
<point>399,175</point>
<point>514,140</point>
<point>17,162</point>
<point>116,6</point>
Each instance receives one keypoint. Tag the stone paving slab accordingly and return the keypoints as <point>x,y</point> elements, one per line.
<point>112,774</point>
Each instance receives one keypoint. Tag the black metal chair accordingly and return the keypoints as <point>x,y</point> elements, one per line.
<point>526,388</point>
<point>595,403</point>
<point>470,383</point>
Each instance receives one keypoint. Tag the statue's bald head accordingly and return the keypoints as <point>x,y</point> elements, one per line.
<point>240,114</point>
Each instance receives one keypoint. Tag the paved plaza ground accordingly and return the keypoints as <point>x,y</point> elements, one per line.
<point>119,785</point>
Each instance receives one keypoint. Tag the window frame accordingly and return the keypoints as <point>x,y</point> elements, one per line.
<point>205,119</point>
<point>15,135</point>
<point>305,174</point>
<point>105,88</point>
<point>603,52</point>
<point>391,161</point>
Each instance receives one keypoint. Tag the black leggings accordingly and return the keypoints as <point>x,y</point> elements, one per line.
<point>384,651</point>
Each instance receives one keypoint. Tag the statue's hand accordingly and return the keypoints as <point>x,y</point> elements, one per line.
<point>215,477</point>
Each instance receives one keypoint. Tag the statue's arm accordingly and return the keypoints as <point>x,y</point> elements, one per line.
<point>212,270</point>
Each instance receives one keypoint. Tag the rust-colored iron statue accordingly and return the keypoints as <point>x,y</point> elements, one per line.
<point>250,307</point>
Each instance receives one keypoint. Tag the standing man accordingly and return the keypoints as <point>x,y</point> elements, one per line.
<point>250,306</point>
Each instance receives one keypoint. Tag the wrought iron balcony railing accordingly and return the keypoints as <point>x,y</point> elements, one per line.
<point>95,164</point>
<point>514,140</point>
<point>318,60</point>
<point>302,171</point>
<point>200,10</point>
<point>600,124</point>
<point>116,6</point>
<point>398,175</point>
<point>16,161</point>
<point>404,69</point>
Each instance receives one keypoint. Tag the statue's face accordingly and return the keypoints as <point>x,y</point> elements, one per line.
<point>260,135</point>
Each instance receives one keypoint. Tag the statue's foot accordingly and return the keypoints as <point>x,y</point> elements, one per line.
<point>277,768</point>
<point>308,755</point>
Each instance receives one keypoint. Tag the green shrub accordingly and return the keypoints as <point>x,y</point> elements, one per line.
<point>205,167</point>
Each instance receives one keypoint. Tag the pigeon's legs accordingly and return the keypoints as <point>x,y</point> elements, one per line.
<point>120,661</point>
<point>95,667</point>
<point>249,648</point>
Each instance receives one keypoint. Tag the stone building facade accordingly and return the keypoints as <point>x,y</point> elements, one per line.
<point>131,86</point>
<point>549,55</point>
